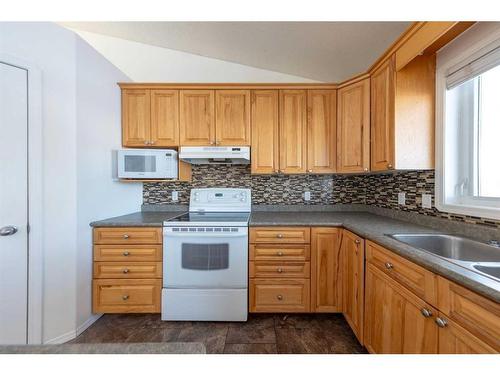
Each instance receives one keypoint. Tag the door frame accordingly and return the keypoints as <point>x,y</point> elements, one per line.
<point>35,197</point>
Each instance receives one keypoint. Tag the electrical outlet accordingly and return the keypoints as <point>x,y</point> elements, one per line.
<point>307,196</point>
<point>175,196</point>
<point>402,198</point>
<point>426,201</point>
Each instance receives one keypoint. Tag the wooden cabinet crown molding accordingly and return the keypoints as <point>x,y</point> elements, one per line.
<point>226,86</point>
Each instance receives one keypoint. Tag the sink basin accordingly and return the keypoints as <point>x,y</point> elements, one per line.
<point>493,271</point>
<point>451,247</point>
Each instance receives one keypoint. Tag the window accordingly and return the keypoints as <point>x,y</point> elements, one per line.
<point>468,165</point>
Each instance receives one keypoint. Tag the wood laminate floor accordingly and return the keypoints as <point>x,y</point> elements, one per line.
<point>261,334</point>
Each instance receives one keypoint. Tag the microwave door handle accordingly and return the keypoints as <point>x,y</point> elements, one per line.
<point>206,234</point>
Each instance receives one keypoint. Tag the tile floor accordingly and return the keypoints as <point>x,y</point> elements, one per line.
<point>261,334</point>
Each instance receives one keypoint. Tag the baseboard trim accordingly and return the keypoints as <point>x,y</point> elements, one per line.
<point>65,337</point>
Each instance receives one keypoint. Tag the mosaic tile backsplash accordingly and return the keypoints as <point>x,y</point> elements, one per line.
<point>379,190</point>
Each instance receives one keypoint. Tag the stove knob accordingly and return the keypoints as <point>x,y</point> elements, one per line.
<point>242,199</point>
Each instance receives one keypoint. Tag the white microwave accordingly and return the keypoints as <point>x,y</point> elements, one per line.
<point>146,164</point>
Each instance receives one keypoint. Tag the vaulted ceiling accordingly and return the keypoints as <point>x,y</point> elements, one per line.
<point>322,51</point>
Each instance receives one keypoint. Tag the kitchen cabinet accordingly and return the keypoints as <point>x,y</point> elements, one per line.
<point>402,115</point>
<point>232,121</point>
<point>279,295</point>
<point>150,118</point>
<point>326,270</point>
<point>127,270</point>
<point>264,132</point>
<point>321,131</point>
<point>293,131</point>
<point>353,281</point>
<point>396,320</point>
<point>353,127</point>
<point>197,117</point>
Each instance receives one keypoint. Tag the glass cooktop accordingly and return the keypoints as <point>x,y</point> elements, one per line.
<point>209,219</point>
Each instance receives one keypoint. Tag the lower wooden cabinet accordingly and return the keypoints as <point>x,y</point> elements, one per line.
<point>326,270</point>
<point>353,280</point>
<point>454,339</point>
<point>396,320</point>
<point>126,296</point>
<point>279,295</point>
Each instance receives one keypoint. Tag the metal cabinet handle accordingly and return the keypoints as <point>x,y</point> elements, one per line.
<point>126,236</point>
<point>365,169</point>
<point>357,242</point>
<point>125,297</point>
<point>279,297</point>
<point>426,312</point>
<point>126,253</point>
<point>309,170</point>
<point>8,230</point>
<point>279,235</point>
<point>280,253</point>
<point>441,322</point>
<point>389,266</point>
<point>389,166</point>
<point>280,270</point>
<point>125,270</point>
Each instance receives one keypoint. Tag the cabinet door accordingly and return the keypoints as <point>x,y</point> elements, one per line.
<point>326,268</point>
<point>454,339</point>
<point>164,118</point>
<point>264,131</point>
<point>321,131</point>
<point>232,117</point>
<point>197,118</point>
<point>293,131</point>
<point>382,117</point>
<point>353,255</point>
<point>136,117</point>
<point>394,318</point>
<point>353,127</point>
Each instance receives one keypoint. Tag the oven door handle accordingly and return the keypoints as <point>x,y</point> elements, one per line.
<point>205,234</point>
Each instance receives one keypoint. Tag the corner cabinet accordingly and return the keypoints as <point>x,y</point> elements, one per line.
<point>353,127</point>
<point>402,115</point>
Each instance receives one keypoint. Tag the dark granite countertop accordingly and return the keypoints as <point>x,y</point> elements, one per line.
<point>367,225</point>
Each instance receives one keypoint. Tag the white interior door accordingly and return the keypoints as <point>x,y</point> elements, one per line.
<point>13,204</point>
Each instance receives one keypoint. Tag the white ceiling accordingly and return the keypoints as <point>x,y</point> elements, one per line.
<point>322,51</point>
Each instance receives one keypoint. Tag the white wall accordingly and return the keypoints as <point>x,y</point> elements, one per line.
<point>98,132</point>
<point>147,63</point>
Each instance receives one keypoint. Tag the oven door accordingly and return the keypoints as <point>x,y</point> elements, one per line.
<point>204,257</point>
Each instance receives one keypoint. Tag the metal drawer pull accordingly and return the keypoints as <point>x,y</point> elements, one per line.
<point>280,253</point>
<point>279,297</point>
<point>279,235</point>
<point>126,253</point>
<point>357,242</point>
<point>442,323</point>
<point>389,266</point>
<point>126,236</point>
<point>125,297</point>
<point>280,270</point>
<point>426,312</point>
<point>125,270</point>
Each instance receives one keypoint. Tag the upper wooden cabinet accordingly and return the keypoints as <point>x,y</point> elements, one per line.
<point>136,118</point>
<point>402,115</point>
<point>353,127</point>
<point>353,281</point>
<point>197,117</point>
<point>326,270</point>
<point>232,121</point>
<point>293,131</point>
<point>321,131</point>
<point>265,146</point>
<point>164,118</point>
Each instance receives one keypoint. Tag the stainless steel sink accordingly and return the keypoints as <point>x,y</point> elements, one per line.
<point>476,256</point>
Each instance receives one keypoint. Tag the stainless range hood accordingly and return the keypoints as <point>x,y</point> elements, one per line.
<point>215,155</point>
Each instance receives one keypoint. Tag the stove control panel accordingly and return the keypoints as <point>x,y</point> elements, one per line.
<point>220,200</point>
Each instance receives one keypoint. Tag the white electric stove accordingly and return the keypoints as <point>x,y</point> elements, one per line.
<point>205,258</point>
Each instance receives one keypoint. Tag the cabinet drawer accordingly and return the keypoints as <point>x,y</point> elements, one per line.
<point>126,296</point>
<point>477,314</point>
<point>132,253</point>
<point>273,295</point>
<point>297,253</point>
<point>415,278</point>
<point>129,235</point>
<point>127,270</point>
<point>280,269</point>
<point>280,235</point>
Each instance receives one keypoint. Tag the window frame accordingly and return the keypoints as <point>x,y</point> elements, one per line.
<point>468,47</point>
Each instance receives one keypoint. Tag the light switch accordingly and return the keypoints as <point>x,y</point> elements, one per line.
<point>307,196</point>
<point>402,198</point>
<point>426,201</point>
<point>175,196</point>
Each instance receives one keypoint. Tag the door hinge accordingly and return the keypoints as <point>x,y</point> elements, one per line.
<point>28,228</point>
